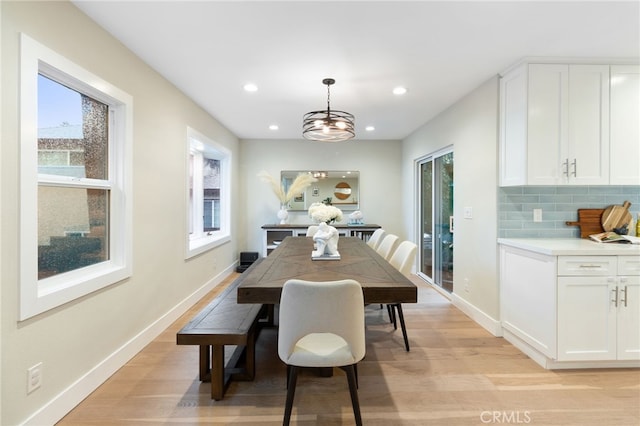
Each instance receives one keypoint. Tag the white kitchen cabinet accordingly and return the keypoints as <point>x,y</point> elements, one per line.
<point>528,300</point>
<point>572,311</point>
<point>555,125</point>
<point>513,127</point>
<point>625,125</point>
<point>628,285</point>
<point>587,311</point>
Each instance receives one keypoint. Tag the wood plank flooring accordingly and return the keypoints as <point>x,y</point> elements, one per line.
<point>456,374</point>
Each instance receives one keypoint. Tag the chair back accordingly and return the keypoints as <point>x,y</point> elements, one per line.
<point>311,230</point>
<point>308,307</point>
<point>385,249</point>
<point>402,259</point>
<point>376,238</point>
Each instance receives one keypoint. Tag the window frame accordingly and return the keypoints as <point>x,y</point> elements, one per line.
<point>37,296</point>
<point>200,242</point>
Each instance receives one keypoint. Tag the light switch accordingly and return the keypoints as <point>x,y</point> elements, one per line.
<point>468,212</point>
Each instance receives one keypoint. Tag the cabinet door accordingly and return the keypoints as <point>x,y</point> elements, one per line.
<point>586,318</point>
<point>625,126</point>
<point>513,127</point>
<point>629,317</point>
<point>588,125</point>
<point>547,131</point>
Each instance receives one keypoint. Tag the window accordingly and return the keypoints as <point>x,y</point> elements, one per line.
<point>75,221</point>
<point>208,200</point>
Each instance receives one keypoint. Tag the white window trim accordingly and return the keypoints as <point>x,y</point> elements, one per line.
<point>198,243</point>
<point>37,296</point>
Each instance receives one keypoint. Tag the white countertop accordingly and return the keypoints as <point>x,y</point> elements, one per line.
<point>571,246</point>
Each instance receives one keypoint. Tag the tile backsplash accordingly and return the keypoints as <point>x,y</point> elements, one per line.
<point>559,204</point>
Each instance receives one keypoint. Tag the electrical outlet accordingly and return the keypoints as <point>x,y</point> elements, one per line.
<point>537,215</point>
<point>34,377</point>
<point>466,285</point>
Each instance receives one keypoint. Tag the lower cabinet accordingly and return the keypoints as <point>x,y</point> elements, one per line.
<point>571,309</point>
<point>598,307</point>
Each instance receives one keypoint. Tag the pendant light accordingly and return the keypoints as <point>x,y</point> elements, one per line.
<point>328,125</point>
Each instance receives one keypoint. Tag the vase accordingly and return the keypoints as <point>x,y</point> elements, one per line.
<point>283,215</point>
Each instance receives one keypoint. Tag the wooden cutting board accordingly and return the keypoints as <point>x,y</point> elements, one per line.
<point>615,217</point>
<point>589,221</point>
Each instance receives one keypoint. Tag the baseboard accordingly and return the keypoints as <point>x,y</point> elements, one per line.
<point>65,401</point>
<point>485,321</point>
<point>551,364</point>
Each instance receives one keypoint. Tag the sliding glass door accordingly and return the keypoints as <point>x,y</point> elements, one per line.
<point>436,218</point>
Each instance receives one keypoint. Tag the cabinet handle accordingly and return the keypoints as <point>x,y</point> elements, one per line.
<point>615,296</point>
<point>625,296</point>
<point>575,167</point>
<point>566,168</point>
<point>588,266</point>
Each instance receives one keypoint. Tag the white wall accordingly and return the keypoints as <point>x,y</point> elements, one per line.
<point>379,164</point>
<point>81,342</point>
<point>471,126</point>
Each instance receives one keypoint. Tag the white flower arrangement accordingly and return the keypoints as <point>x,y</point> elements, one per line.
<point>324,213</point>
<point>301,182</point>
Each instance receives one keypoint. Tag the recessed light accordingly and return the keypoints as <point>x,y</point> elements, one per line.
<point>369,128</point>
<point>250,87</point>
<point>273,127</point>
<point>399,90</point>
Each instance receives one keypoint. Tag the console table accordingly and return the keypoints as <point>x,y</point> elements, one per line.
<point>273,234</point>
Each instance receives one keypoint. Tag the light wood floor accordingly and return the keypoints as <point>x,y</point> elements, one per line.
<point>456,374</point>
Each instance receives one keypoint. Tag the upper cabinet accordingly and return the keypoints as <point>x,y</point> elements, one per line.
<point>625,125</point>
<point>556,125</point>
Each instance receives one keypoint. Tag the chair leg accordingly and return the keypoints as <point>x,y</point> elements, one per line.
<point>291,390</point>
<point>353,390</point>
<point>404,328</point>
<point>355,370</point>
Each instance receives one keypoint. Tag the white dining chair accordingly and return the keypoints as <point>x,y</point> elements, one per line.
<point>321,324</point>
<point>311,230</point>
<point>385,249</point>
<point>376,238</point>
<point>402,259</point>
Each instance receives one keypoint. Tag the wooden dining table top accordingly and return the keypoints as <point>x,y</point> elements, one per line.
<point>381,282</point>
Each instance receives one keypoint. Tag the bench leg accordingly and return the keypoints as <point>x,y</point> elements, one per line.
<point>217,372</point>
<point>250,355</point>
<point>205,363</point>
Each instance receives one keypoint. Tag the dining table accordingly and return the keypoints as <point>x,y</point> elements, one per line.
<point>380,281</point>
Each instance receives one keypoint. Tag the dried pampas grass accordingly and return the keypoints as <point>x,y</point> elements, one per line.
<point>301,182</point>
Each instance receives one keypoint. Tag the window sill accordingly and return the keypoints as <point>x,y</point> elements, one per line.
<point>198,246</point>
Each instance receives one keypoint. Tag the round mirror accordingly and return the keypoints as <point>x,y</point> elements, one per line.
<point>342,191</point>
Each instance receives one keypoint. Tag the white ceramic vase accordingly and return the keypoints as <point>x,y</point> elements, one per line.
<point>283,215</point>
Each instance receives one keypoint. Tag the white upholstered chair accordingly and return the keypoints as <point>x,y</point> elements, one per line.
<point>321,324</point>
<point>376,238</point>
<point>311,230</point>
<point>402,259</point>
<point>385,249</point>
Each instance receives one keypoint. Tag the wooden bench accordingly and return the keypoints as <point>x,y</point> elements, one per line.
<point>225,322</point>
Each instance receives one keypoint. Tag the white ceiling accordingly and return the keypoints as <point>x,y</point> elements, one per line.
<point>438,50</point>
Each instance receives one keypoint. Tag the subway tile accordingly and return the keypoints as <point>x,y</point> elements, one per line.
<point>559,204</point>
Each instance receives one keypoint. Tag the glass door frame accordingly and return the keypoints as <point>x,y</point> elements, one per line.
<point>418,216</point>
